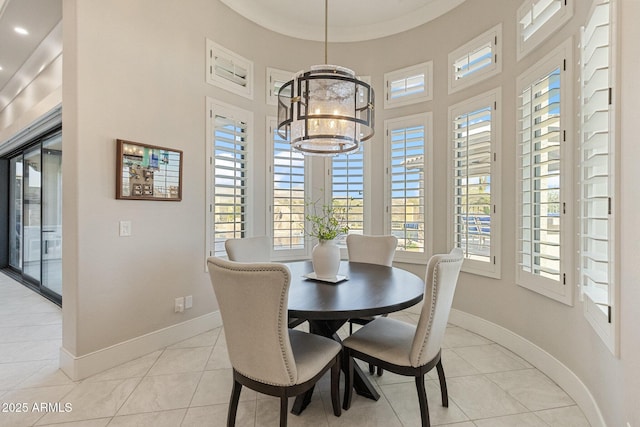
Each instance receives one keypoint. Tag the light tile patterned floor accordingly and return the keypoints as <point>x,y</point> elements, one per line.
<point>188,384</point>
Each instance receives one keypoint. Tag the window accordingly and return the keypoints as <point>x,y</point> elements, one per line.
<point>597,171</point>
<point>474,184</point>
<point>409,85</point>
<point>477,60</point>
<point>408,160</point>
<point>347,189</point>
<point>287,186</point>
<point>229,70</point>
<point>544,174</point>
<point>275,80</point>
<point>228,184</point>
<point>538,19</point>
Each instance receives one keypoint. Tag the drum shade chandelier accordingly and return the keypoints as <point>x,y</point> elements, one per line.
<point>325,111</point>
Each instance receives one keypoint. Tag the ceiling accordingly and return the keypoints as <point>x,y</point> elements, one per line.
<point>23,57</point>
<point>349,21</point>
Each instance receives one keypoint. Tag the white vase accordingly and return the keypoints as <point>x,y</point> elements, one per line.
<point>325,257</point>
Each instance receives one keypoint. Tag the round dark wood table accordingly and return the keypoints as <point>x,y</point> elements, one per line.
<point>369,290</point>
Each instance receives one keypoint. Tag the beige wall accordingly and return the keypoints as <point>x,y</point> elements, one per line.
<point>135,70</point>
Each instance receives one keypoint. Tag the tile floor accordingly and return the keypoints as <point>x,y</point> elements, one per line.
<point>188,384</point>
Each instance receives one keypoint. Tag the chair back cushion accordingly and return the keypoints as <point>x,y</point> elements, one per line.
<point>248,249</point>
<point>253,300</point>
<point>372,249</point>
<point>440,285</point>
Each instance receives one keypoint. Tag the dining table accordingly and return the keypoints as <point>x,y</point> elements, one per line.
<point>359,290</point>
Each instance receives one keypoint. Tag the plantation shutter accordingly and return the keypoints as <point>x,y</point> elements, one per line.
<point>407,187</point>
<point>288,207</point>
<point>540,136</point>
<point>596,160</point>
<point>347,185</point>
<point>472,153</point>
<point>229,181</point>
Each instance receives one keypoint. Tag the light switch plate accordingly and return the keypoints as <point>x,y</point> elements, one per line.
<point>125,228</point>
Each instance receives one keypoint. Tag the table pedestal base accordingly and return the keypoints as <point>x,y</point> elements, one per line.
<point>361,384</point>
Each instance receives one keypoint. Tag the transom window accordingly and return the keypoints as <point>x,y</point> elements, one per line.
<point>228,70</point>
<point>409,85</point>
<point>476,60</point>
<point>538,19</point>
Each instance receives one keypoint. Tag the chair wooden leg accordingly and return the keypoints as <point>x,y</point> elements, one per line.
<point>422,399</point>
<point>233,403</point>
<point>372,369</point>
<point>335,386</point>
<point>443,384</point>
<point>380,371</point>
<point>348,380</point>
<point>284,405</point>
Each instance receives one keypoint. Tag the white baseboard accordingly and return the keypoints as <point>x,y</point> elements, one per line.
<point>538,357</point>
<point>78,368</point>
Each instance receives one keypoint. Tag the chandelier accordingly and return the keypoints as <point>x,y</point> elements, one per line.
<point>325,111</point>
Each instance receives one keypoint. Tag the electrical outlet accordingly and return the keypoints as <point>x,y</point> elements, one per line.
<point>188,301</point>
<point>125,228</point>
<point>179,305</point>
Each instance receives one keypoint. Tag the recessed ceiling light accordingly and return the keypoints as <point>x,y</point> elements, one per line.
<point>21,30</point>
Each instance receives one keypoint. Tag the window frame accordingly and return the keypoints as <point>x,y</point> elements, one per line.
<point>544,31</point>
<point>422,119</point>
<point>426,68</point>
<point>214,108</point>
<point>492,99</point>
<point>561,290</point>
<point>492,36</point>
<point>283,254</point>
<point>213,78</point>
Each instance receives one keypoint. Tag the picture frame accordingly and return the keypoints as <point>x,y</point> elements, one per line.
<point>148,172</point>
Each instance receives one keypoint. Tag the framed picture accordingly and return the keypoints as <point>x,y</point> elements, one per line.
<point>148,172</point>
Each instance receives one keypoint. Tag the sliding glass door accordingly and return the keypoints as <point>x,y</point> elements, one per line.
<point>35,215</point>
<point>51,259</point>
<point>31,214</point>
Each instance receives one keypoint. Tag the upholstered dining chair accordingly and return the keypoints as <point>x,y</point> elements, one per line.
<point>248,249</point>
<point>406,349</point>
<point>371,250</point>
<point>265,354</point>
<point>253,249</point>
